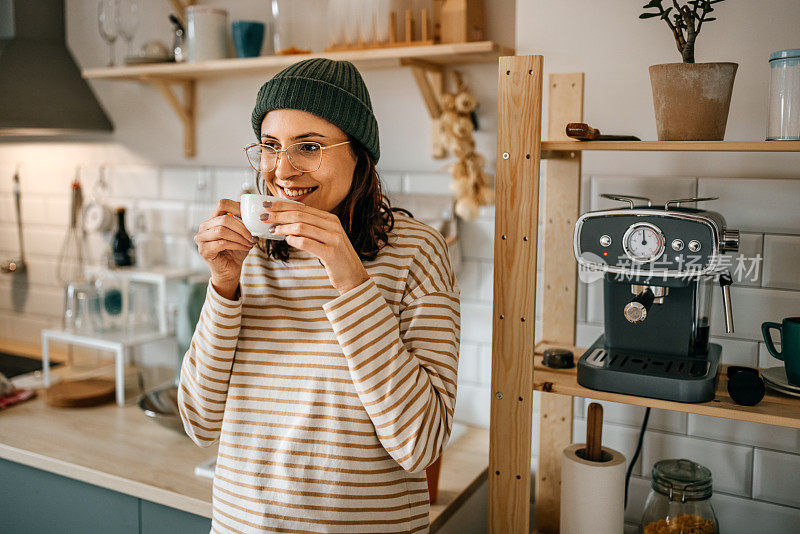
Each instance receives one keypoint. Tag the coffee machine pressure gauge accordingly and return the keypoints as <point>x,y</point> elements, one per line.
<point>643,242</point>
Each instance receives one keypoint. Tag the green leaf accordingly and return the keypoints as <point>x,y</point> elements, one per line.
<point>665,16</point>
<point>653,3</point>
<point>648,15</point>
<point>709,19</point>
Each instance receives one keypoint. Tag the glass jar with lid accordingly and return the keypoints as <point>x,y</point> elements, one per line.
<point>680,500</point>
<point>784,95</point>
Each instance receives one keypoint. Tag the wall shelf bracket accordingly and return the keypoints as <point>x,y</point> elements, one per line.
<point>430,81</point>
<point>185,110</point>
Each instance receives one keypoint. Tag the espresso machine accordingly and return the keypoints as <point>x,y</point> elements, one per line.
<point>658,266</point>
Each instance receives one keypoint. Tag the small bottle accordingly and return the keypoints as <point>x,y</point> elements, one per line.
<point>122,244</point>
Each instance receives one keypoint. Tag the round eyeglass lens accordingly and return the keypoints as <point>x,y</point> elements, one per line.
<point>304,157</point>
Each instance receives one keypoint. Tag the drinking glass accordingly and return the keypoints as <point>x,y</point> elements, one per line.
<point>335,21</point>
<point>128,21</point>
<point>382,20</point>
<point>351,22</point>
<point>366,21</point>
<point>108,24</point>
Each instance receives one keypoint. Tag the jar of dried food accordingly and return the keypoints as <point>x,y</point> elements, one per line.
<point>679,500</point>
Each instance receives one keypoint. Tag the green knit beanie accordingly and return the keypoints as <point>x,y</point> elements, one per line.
<point>332,90</point>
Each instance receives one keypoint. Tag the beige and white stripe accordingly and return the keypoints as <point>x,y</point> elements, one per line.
<point>327,408</point>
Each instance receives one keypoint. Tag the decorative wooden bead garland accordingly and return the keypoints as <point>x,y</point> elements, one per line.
<point>470,184</point>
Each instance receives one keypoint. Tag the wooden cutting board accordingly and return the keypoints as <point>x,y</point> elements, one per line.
<point>77,393</point>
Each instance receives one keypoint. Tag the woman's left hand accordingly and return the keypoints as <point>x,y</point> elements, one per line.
<point>321,234</point>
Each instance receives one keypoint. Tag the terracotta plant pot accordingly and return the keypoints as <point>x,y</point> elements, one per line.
<point>692,100</point>
<point>432,473</point>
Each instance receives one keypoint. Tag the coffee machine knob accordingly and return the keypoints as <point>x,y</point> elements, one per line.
<point>636,310</point>
<point>730,240</point>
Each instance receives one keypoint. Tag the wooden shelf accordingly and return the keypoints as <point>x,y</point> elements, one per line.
<point>426,62</point>
<point>438,54</point>
<point>548,147</point>
<point>776,409</point>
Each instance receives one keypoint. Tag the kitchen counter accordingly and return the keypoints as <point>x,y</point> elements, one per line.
<point>118,448</point>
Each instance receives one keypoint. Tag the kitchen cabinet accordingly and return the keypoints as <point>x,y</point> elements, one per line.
<point>33,500</point>
<point>159,519</point>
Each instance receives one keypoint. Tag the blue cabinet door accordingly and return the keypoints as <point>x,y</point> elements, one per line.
<point>32,500</point>
<point>160,519</point>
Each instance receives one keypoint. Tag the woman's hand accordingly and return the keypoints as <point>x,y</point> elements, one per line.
<point>321,234</point>
<point>223,242</point>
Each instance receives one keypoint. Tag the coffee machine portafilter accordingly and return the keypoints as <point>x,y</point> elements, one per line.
<point>658,267</point>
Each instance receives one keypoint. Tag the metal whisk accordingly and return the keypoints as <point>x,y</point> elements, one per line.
<point>70,260</point>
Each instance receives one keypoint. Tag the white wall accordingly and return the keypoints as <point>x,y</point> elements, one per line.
<point>603,39</point>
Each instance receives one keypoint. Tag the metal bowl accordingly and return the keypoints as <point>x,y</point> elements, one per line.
<point>161,406</point>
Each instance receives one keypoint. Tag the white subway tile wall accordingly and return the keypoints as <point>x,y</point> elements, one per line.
<point>775,477</point>
<point>751,307</point>
<point>759,205</point>
<point>731,465</point>
<point>781,270</point>
<point>746,459</point>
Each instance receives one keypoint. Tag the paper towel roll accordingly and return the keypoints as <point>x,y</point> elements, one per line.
<point>592,493</point>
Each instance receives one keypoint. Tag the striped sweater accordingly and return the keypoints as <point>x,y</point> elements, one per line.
<point>327,408</point>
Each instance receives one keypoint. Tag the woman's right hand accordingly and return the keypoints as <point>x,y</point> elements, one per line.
<point>223,242</point>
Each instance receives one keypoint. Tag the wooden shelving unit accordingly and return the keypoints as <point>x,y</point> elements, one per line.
<point>775,409</point>
<point>671,146</point>
<point>516,362</point>
<point>173,79</point>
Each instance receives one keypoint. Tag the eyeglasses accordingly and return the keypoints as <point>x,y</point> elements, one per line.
<point>305,156</point>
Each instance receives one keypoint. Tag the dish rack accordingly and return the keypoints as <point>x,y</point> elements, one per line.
<point>122,342</point>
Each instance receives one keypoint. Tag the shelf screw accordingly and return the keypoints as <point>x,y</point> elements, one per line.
<point>503,237</point>
<point>505,155</point>
<point>499,395</point>
<point>522,319</point>
<point>525,238</point>
<point>502,316</point>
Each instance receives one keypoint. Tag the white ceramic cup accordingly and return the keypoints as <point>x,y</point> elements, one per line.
<point>252,206</point>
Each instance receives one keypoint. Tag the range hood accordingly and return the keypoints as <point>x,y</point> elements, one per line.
<point>42,92</point>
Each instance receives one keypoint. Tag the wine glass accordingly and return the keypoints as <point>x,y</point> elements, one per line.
<point>128,21</point>
<point>108,24</point>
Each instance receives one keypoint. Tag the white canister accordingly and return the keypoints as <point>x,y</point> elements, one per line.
<point>206,33</point>
<point>784,95</point>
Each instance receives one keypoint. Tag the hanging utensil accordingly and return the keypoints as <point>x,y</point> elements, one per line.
<point>16,265</point>
<point>70,260</point>
<point>97,216</point>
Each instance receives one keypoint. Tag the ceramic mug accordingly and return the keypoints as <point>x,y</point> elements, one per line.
<point>252,206</point>
<point>248,36</point>
<point>789,329</point>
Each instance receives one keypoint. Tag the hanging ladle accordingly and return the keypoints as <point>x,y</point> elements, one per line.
<point>16,266</point>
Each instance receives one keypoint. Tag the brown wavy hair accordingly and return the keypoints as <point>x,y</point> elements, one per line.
<point>365,213</point>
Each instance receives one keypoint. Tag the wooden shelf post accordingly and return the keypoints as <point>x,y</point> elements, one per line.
<point>562,192</point>
<point>517,193</point>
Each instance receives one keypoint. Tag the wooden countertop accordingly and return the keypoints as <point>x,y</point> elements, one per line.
<point>118,448</point>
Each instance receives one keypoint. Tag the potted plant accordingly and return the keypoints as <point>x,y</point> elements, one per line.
<point>691,99</point>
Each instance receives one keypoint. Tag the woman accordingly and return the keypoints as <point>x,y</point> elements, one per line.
<point>325,364</point>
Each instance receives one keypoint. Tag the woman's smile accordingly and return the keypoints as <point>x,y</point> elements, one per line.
<point>295,193</point>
